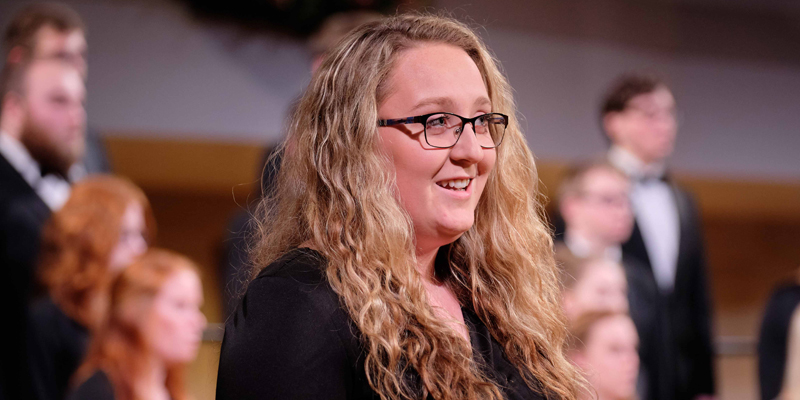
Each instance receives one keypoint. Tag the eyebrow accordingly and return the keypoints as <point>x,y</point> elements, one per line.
<point>446,101</point>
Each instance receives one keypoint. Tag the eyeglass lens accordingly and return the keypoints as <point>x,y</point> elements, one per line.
<point>443,130</point>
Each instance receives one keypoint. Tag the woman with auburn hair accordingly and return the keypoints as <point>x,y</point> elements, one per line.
<point>154,330</point>
<point>105,224</point>
<point>403,253</point>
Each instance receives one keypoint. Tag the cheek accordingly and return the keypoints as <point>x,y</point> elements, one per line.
<point>166,334</point>
<point>485,167</point>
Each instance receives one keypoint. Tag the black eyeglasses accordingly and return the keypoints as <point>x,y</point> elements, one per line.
<point>442,130</point>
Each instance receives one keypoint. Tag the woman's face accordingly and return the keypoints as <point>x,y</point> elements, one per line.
<point>610,358</point>
<point>175,325</point>
<point>429,78</point>
<point>131,243</point>
<point>601,287</point>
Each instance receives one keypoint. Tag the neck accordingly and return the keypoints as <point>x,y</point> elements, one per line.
<point>156,376</point>
<point>644,160</point>
<point>595,245</point>
<point>425,264</point>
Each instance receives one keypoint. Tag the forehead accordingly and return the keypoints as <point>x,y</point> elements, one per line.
<point>47,75</point>
<point>436,73</point>
<point>604,179</point>
<point>661,97</point>
<point>182,283</point>
<point>613,329</point>
<point>48,38</point>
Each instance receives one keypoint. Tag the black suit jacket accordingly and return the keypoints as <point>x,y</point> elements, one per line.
<point>290,338</point>
<point>57,346</point>
<point>22,216</point>
<point>675,327</point>
<point>773,340</point>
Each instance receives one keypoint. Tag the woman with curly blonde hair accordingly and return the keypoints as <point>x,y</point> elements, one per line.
<point>403,253</point>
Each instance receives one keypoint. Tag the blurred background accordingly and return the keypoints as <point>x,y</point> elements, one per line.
<point>187,94</point>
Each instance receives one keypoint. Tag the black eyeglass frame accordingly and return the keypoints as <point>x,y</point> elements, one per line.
<point>423,119</point>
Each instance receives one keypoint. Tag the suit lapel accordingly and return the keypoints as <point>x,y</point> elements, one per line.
<point>14,186</point>
<point>684,241</point>
<point>636,248</point>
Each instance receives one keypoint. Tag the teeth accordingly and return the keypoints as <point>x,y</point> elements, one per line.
<point>455,184</point>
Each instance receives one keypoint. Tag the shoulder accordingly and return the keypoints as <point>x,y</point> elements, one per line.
<point>685,198</point>
<point>296,280</point>
<point>302,264</point>
<point>289,300</point>
<point>783,300</point>
<point>289,337</point>
<point>51,325</point>
<point>97,387</point>
<point>44,316</point>
<point>12,182</point>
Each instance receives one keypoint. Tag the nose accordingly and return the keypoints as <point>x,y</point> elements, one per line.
<point>467,150</point>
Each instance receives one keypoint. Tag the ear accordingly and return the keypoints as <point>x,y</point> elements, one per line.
<point>15,55</point>
<point>11,107</point>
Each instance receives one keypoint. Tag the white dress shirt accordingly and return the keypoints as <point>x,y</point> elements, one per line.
<point>52,189</point>
<point>582,248</point>
<point>656,211</point>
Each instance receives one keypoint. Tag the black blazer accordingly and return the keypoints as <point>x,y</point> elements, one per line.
<point>773,340</point>
<point>290,338</point>
<point>675,327</point>
<point>57,347</point>
<point>22,216</point>
<point>97,387</point>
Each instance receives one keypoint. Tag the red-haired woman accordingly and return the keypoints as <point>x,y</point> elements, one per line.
<point>103,227</point>
<point>154,329</point>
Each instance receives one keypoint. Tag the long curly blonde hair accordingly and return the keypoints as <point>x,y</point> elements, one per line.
<point>335,193</point>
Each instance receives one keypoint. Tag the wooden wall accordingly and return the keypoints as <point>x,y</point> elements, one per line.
<point>752,229</point>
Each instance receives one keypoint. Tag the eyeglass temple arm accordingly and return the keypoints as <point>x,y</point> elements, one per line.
<point>398,121</point>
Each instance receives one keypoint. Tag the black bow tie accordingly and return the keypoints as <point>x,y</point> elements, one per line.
<point>48,170</point>
<point>648,178</point>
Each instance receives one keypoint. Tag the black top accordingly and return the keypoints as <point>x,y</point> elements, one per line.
<point>290,338</point>
<point>97,387</point>
<point>22,216</point>
<point>58,346</point>
<point>774,338</point>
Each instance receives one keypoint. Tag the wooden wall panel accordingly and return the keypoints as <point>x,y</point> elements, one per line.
<point>752,230</point>
<point>752,227</point>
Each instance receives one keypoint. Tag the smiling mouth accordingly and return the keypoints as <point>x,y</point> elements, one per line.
<point>455,184</point>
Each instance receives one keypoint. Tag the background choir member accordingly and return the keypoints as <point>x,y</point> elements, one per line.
<point>104,226</point>
<point>153,331</point>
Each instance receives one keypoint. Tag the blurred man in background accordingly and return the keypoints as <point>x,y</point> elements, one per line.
<point>53,30</point>
<point>639,117</point>
<point>42,125</point>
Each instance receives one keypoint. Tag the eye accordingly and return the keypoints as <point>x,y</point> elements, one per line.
<point>437,121</point>
<point>59,99</point>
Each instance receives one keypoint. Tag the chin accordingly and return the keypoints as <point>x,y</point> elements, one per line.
<point>455,230</point>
